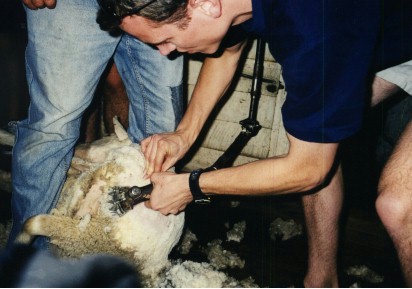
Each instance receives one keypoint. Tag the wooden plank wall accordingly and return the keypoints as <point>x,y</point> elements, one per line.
<point>224,124</point>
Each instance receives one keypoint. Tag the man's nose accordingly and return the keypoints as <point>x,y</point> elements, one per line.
<point>166,48</point>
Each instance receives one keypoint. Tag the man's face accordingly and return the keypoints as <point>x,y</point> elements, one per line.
<point>203,34</point>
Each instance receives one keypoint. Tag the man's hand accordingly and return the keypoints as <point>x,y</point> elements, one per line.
<point>171,193</point>
<point>36,4</point>
<point>162,151</point>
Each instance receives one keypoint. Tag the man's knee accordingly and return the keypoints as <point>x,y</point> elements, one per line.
<point>394,203</point>
<point>392,207</point>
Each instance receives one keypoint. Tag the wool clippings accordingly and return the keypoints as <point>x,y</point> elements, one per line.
<point>187,242</point>
<point>237,233</point>
<point>284,229</point>
<point>189,274</point>
<point>364,273</point>
<point>220,258</point>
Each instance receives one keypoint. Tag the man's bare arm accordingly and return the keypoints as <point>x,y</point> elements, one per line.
<point>163,150</point>
<point>305,167</point>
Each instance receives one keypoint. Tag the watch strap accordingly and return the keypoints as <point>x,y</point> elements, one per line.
<point>198,196</point>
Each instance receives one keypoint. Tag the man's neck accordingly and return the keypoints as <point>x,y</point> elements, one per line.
<point>241,10</point>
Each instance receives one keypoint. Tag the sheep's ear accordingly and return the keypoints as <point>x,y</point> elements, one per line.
<point>119,129</point>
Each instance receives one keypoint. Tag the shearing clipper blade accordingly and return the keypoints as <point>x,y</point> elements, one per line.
<point>125,198</point>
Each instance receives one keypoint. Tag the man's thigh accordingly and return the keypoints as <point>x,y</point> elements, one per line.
<point>401,75</point>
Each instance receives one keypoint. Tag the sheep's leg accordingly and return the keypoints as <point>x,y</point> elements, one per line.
<point>72,238</point>
<point>43,225</point>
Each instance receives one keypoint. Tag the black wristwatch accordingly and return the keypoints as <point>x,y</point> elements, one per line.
<point>198,196</point>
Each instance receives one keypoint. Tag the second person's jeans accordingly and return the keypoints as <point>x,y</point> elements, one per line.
<point>65,57</point>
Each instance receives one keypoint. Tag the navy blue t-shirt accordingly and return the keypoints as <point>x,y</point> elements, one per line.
<point>329,51</point>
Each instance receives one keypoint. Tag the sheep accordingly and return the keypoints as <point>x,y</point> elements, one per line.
<point>83,223</point>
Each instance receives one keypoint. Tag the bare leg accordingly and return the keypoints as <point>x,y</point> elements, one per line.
<point>322,211</point>
<point>116,102</point>
<point>91,124</point>
<point>381,90</point>
<point>394,203</point>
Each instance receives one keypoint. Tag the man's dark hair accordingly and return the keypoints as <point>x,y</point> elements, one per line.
<point>160,12</point>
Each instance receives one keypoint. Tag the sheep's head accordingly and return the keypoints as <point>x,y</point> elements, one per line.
<point>87,191</point>
<point>127,171</point>
<point>147,233</point>
<point>83,222</point>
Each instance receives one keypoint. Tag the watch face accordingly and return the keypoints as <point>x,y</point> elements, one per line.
<point>202,201</point>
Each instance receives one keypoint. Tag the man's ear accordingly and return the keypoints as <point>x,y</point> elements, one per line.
<point>211,8</point>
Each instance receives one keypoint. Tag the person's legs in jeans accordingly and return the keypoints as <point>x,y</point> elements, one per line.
<point>65,56</point>
<point>154,88</point>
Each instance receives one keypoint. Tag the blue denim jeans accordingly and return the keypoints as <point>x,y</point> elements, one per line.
<point>65,57</point>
